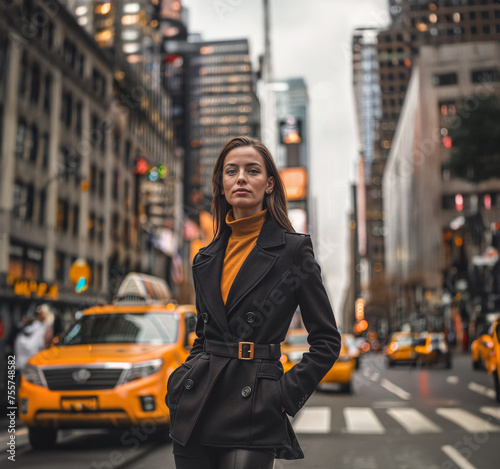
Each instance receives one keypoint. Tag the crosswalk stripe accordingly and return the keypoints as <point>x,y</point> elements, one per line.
<point>391,387</point>
<point>313,420</point>
<point>493,411</point>
<point>466,420</point>
<point>480,389</point>
<point>413,421</point>
<point>456,457</point>
<point>362,420</point>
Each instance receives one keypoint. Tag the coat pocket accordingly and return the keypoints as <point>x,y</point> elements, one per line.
<point>267,416</point>
<point>176,383</point>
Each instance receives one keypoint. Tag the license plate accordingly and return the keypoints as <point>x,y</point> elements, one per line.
<point>79,404</point>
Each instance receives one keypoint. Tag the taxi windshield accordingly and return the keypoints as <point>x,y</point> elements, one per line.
<point>129,328</point>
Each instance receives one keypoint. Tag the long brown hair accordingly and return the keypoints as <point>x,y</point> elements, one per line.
<point>275,202</point>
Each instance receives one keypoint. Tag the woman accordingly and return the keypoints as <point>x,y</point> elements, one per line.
<point>228,402</point>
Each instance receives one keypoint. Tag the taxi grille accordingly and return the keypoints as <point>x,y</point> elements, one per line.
<point>68,379</point>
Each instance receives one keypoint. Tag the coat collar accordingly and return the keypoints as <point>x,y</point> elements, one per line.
<point>208,269</point>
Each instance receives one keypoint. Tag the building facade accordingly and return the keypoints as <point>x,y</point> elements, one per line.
<point>71,132</point>
<point>432,218</point>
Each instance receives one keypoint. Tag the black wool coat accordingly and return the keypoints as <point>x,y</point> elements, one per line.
<point>238,403</point>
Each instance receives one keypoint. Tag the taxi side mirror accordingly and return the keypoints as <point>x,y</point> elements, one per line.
<point>191,338</point>
<point>54,341</point>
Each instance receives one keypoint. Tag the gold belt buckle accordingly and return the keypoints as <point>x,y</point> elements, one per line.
<point>250,350</point>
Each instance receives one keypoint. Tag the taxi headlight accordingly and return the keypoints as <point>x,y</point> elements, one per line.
<point>142,369</point>
<point>32,374</point>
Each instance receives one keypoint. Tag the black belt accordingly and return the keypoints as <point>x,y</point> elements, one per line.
<point>244,350</point>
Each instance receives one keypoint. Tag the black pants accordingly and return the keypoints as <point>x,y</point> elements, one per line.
<point>228,459</point>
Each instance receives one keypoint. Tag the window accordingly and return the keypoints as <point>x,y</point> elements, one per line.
<point>24,198</point>
<point>20,138</point>
<point>59,267</point>
<point>81,66</point>
<point>41,207</point>
<point>45,150</point>
<point>79,117</point>
<point>127,153</point>
<point>33,144</point>
<point>486,29</point>
<point>76,220</point>
<point>69,53</point>
<point>100,229</point>
<point>102,181</point>
<point>93,179</point>
<point>91,226</point>
<point>62,215</point>
<point>473,30</point>
<point>472,15</point>
<point>445,79</point>
<point>482,76</point>
<point>116,184</point>
<point>98,83</point>
<point>47,97</point>
<point>66,108</point>
<point>116,146</point>
<point>485,15</point>
<point>35,84</point>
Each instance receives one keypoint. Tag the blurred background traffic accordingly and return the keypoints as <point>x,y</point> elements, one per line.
<point>112,114</point>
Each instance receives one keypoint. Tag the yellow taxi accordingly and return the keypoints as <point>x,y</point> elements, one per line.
<point>352,348</point>
<point>434,350</point>
<point>493,365</point>
<point>111,368</point>
<point>295,345</point>
<point>481,351</point>
<point>400,349</point>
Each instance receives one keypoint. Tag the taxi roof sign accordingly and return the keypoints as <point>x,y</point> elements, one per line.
<point>143,288</point>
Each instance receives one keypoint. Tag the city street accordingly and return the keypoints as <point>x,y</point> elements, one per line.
<point>401,418</point>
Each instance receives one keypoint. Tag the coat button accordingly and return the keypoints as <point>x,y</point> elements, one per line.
<point>246,391</point>
<point>188,384</point>
<point>250,317</point>
<point>205,317</point>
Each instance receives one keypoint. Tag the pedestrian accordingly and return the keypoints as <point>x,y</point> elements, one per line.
<point>30,338</point>
<point>229,401</point>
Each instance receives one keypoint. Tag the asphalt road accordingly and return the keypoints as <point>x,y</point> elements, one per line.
<point>398,418</point>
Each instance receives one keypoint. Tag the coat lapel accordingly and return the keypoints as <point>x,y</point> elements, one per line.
<point>258,262</point>
<point>208,271</point>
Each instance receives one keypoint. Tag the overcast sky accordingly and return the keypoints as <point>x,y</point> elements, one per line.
<point>309,39</point>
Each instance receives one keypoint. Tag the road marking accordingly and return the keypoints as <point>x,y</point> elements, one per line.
<point>22,431</point>
<point>457,458</point>
<point>479,388</point>
<point>413,421</point>
<point>466,420</point>
<point>313,420</point>
<point>362,420</point>
<point>452,379</point>
<point>391,387</point>
<point>493,411</point>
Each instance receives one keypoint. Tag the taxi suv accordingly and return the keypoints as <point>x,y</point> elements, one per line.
<point>111,368</point>
<point>401,349</point>
<point>493,365</point>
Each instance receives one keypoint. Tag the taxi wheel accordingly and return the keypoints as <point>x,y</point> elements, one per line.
<point>497,386</point>
<point>347,388</point>
<point>42,438</point>
<point>476,364</point>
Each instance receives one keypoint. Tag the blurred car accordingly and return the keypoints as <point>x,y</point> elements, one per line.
<point>111,368</point>
<point>434,350</point>
<point>295,345</point>
<point>352,348</point>
<point>493,365</point>
<point>481,351</point>
<point>400,349</point>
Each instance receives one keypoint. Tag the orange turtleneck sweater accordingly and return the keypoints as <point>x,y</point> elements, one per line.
<point>243,239</point>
